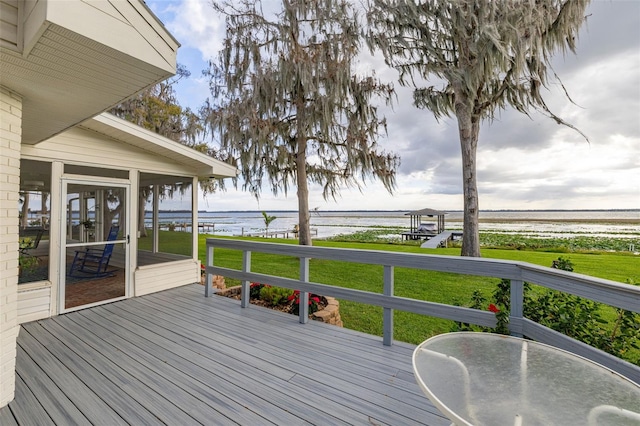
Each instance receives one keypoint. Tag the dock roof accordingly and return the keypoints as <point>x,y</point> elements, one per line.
<point>426,212</point>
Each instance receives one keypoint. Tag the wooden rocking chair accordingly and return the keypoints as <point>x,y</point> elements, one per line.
<point>94,261</point>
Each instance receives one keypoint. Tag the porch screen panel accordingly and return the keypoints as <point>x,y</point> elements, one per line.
<point>166,218</point>
<point>95,255</point>
<point>34,207</point>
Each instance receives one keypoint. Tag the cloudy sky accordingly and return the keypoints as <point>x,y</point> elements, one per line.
<point>523,163</point>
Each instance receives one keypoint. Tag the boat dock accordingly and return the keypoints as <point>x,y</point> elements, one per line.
<point>276,234</point>
<point>184,226</point>
<point>441,240</point>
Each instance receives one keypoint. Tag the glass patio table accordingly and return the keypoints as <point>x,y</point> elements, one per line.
<point>491,379</point>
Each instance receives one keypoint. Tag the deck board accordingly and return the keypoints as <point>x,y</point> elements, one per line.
<point>27,409</point>
<point>120,375</point>
<point>181,355</point>
<point>253,372</point>
<point>58,406</point>
<point>291,361</point>
<point>82,396</point>
<point>346,363</point>
<point>7,419</point>
<point>295,333</point>
<point>176,357</point>
<point>192,395</point>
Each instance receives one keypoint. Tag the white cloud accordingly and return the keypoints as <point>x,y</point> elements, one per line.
<point>196,25</point>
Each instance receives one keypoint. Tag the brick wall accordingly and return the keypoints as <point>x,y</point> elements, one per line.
<point>10,137</point>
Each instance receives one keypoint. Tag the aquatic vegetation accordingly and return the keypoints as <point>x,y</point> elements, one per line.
<point>378,235</point>
<point>514,241</point>
<point>558,244</point>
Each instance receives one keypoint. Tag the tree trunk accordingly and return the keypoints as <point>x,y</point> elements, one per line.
<point>469,128</point>
<point>110,214</point>
<point>24,219</point>
<point>45,210</point>
<point>304,233</point>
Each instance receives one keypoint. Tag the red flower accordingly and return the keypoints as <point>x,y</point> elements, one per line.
<point>295,297</point>
<point>493,308</point>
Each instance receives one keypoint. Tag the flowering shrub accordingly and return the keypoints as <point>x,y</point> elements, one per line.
<point>571,315</point>
<point>255,288</point>
<point>498,308</point>
<point>287,300</point>
<point>314,301</point>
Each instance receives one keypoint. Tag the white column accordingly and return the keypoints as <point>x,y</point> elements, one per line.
<point>133,226</point>
<point>10,140</point>
<point>57,240</point>
<point>195,230</point>
<point>156,220</point>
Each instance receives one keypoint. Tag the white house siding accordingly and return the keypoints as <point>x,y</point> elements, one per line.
<point>89,148</point>
<point>85,147</point>
<point>34,304</point>
<point>10,137</point>
<point>9,24</point>
<point>163,276</point>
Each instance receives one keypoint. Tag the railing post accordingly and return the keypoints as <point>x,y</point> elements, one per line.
<point>303,300</point>
<point>517,307</point>
<point>208,282</point>
<point>387,313</point>
<point>246,267</point>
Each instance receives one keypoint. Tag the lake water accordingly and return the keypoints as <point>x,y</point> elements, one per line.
<point>618,223</point>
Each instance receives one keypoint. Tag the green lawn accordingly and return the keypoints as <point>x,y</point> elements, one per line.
<point>447,288</point>
<point>169,242</point>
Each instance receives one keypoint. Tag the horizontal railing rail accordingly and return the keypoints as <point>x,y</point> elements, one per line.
<point>612,293</point>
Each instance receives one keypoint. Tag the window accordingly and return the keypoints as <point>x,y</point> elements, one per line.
<point>34,211</point>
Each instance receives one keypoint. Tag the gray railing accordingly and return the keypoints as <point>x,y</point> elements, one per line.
<point>604,291</point>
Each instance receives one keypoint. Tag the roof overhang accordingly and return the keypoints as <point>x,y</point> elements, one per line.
<point>74,59</point>
<point>201,165</point>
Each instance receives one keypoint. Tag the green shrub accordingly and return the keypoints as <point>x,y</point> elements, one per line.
<point>27,263</point>
<point>275,296</point>
<point>570,315</point>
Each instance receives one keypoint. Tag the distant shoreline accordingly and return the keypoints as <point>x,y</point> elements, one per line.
<point>630,221</point>
<point>406,211</point>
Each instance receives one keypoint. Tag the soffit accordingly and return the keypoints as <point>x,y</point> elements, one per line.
<point>71,72</point>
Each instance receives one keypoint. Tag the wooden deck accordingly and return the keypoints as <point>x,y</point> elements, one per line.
<point>176,357</point>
